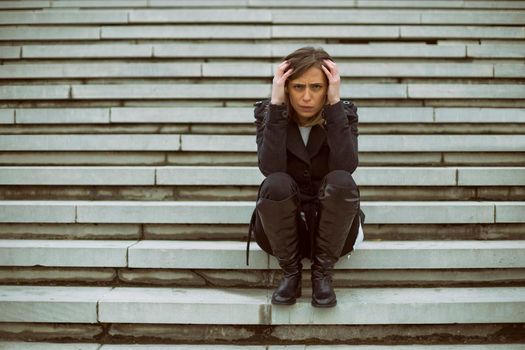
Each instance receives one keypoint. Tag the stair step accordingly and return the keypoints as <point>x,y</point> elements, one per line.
<point>275,16</point>
<point>231,254</point>
<point>80,346</point>
<point>239,212</point>
<point>253,91</point>
<point>454,4</point>
<point>251,306</point>
<point>251,176</point>
<point>273,50</point>
<point>246,143</point>
<point>254,69</point>
<point>244,115</point>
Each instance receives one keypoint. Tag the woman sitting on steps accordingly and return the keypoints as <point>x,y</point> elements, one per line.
<point>308,204</point>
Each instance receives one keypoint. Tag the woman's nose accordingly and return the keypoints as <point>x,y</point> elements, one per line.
<point>306,95</point>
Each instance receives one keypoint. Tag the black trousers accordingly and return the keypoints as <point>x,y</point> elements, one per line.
<point>280,186</point>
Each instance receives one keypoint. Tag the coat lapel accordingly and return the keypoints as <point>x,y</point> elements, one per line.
<point>295,142</point>
<point>315,140</point>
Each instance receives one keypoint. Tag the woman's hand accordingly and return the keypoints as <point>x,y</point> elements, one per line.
<point>279,81</point>
<point>334,81</point>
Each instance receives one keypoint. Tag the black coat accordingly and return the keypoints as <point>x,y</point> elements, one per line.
<point>280,148</point>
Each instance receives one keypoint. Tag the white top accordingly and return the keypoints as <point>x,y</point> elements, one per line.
<point>305,133</point>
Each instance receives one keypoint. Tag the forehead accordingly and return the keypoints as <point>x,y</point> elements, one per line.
<point>312,75</point>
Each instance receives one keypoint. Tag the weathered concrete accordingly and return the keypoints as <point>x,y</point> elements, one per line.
<point>449,32</point>
<point>149,277</point>
<point>105,176</point>
<point>62,116</point>
<point>196,306</point>
<point>47,346</point>
<point>90,142</point>
<point>70,231</point>
<point>61,253</point>
<point>50,304</point>
<point>70,332</point>
<point>510,212</point>
<point>239,212</point>
<point>7,116</point>
<point>87,51</point>
<point>35,32</point>
<point>99,70</point>
<point>194,254</point>
<point>39,275</point>
<point>186,32</point>
<point>411,306</point>
<point>37,211</point>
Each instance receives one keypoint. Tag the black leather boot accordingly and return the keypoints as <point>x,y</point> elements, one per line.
<point>338,206</point>
<point>279,221</point>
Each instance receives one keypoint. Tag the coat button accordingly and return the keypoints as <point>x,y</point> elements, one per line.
<point>285,114</point>
<point>306,173</point>
<point>346,102</point>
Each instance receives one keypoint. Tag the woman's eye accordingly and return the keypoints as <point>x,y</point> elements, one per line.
<point>298,87</point>
<point>316,87</point>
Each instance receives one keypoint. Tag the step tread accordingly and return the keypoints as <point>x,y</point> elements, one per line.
<point>274,50</point>
<point>245,175</point>
<point>244,115</point>
<point>246,143</point>
<point>239,212</point>
<point>242,15</point>
<point>146,91</point>
<point>251,306</point>
<point>231,254</point>
<point>454,4</point>
<point>253,69</point>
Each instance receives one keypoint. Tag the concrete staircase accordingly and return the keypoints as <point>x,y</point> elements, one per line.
<point>128,174</point>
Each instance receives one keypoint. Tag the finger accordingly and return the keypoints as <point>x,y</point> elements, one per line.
<point>282,68</point>
<point>327,72</point>
<point>288,72</point>
<point>331,65</point>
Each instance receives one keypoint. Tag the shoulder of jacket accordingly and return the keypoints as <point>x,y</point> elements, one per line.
<point>260,102</point>
<point>349,104</point>
<point>261,107</point>
<point>347,101</point>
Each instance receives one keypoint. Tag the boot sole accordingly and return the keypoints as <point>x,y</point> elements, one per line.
<point>332,304</point>
<point>291,302</point>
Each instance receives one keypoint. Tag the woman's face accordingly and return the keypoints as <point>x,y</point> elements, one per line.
<point>307,93</point>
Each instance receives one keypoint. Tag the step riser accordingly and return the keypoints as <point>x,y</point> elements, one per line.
<point>69,127</point>
<point>249,335</point>
<point>122,277</point>
<point>444,232</point>
<point>158,158</point>
<point>248,193</point>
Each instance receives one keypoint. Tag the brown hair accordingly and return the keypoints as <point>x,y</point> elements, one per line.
<point>301,60</point>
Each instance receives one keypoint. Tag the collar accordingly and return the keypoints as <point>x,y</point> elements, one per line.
<point>295,144</point>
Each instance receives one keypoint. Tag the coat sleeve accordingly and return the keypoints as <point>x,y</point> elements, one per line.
<point>271,123</point>
<point>342,132</point>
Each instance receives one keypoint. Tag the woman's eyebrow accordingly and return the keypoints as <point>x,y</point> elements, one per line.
<point>310,84</point>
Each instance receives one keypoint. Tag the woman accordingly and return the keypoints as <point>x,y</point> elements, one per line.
<point>308,204</point>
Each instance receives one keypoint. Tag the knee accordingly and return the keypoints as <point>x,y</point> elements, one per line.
<point>341,178</point>
<point>339,181</point>
<point>278,186</point>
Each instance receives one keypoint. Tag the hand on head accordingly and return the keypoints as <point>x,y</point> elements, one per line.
<point>279,82</point>
<point>331,71</point>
